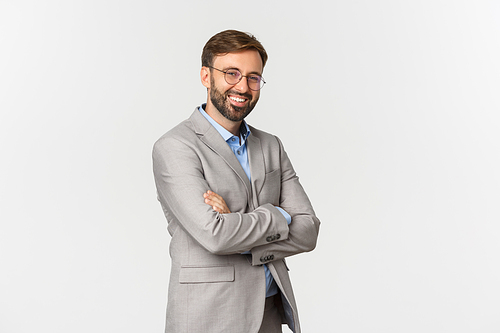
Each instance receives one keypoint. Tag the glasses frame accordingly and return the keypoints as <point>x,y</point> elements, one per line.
<point>241,77</point>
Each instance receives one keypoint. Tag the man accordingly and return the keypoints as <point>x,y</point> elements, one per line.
<point>234,205</point>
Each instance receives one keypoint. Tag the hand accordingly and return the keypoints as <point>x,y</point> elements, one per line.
<point>218,204</point>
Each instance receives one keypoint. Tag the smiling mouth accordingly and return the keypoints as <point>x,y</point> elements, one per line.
<point>238,99</point>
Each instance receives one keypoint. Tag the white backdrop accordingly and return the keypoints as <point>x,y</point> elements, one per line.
<point>389,111</point>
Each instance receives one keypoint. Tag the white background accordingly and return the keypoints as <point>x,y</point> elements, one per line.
<point>389,111</point>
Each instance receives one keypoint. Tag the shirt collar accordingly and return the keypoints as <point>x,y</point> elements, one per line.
<point>226,135</point>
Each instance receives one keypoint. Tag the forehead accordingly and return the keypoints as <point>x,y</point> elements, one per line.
<point>248,61</point>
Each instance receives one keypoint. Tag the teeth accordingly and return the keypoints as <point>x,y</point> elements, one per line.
<point>236,99</point>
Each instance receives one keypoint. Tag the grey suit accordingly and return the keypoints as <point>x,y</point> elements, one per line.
<point>213,287</point>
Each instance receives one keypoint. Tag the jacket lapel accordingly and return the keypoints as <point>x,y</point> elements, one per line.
<point>209,136</point>
<point>257,166</point>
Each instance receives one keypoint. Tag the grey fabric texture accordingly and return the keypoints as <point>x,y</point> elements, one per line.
<point>214,288</point>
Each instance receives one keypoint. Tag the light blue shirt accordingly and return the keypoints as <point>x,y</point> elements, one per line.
<point>239,147</point>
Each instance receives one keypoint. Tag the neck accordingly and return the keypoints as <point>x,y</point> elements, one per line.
<point>232,126</point>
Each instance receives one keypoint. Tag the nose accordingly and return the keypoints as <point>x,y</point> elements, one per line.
<point>242,86</point>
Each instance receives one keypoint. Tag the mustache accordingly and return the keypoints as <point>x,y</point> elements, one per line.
<point>235,93</point>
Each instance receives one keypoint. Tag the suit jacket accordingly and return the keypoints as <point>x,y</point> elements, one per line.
<point>214,288</point>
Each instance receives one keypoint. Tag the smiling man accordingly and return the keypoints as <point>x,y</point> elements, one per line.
<point>234,205</point>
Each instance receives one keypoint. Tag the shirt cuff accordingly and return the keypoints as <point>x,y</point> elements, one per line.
<point>285,214</point>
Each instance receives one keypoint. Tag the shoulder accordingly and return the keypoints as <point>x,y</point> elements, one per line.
<point>184,134</point>
<point>180,131</point>
<point>266,139</point>
<point>262,135</point>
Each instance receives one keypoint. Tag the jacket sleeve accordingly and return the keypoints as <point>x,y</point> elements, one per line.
<point>304,228</point>
<point>180,185</point>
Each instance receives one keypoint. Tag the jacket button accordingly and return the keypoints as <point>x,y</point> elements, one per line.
<point>269,238</point>
<point>271,257</point>
<point>278,236</point>
<point>262,259</point>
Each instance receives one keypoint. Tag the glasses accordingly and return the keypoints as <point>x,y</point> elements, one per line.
<point>233,76</point>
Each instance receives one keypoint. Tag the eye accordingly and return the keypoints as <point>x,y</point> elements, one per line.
<point>233,73</point>
<point>254,78</point>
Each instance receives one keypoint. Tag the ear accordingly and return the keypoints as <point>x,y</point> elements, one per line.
<point>205,76</point>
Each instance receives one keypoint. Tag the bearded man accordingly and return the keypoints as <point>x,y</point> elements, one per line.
<point>233,202</point>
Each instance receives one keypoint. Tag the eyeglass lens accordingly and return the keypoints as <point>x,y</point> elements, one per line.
<point>234,76</point>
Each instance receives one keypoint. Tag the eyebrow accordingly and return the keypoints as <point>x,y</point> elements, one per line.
<point>230,67</point>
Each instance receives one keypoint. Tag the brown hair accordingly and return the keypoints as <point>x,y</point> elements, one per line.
<point>231,41</point>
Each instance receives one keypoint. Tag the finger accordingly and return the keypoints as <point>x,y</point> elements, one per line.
<point>215,200</point>
<point>214,197</point>
<point>216,205</point>
<point>220,207</point>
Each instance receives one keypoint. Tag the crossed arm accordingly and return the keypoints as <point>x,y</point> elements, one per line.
<point>180,180</point>
<point>219,205</point>
<point>302,234</point>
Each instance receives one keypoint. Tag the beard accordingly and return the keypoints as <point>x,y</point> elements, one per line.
<point>221,102</point>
